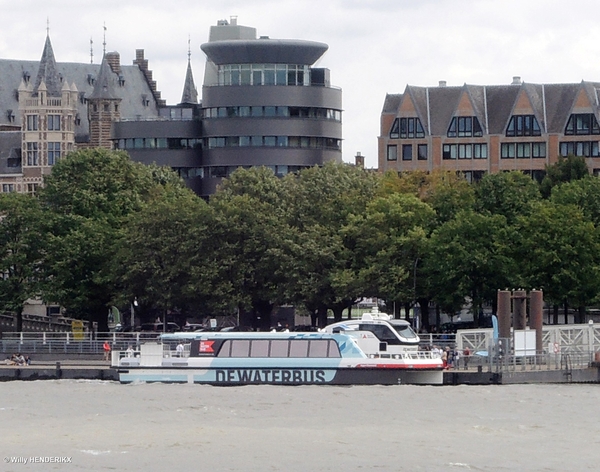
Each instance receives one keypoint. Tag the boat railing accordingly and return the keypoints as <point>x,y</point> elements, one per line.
<point>409,355</point>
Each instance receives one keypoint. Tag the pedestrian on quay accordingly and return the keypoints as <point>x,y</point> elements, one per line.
<point>179,349</point>
<point>456,358</point>
<point>106,347</point>
<point>467,354</point>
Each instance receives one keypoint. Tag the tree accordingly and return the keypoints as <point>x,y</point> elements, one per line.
<point>566,169</point>
<point>509,194</point>
<point>558,251</point>
<point>388,241</point>
<point>86,200</point>
<point>470,257</point>
<point>163,259</point>
<point>322,202</point>
<point>583,193</point>
<point>257,246</point>
<point>21,248</point>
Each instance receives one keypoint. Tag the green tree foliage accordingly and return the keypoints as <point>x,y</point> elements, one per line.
<point>322,202</point>
<point>558,251</point>
<point>509,194</point>
<point>162,258</point>
<point>470,257</point>
<point>257,246</point>
<point>21,248</point>
<point>86,200</point>
<point>583,193</point>
<point>387,241</point>
<point>564,170</point>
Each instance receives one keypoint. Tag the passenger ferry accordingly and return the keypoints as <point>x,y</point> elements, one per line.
<point>244,358</point>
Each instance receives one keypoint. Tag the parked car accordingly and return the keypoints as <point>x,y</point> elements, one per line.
<point>158,327</point>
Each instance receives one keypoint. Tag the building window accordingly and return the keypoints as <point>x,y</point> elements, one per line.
<point>480,151</point>
<point>407,152</point>
<point>53,122</point>
<point>580,148</point>
<point>422,152</point>
<point>523,125</point>
<point>31,188</point>
<point>411,128</point>
<point>465,151</point>
<point>53,153</point>
<point>449,151</point>
<point>32,154</point>
<point>464,127</point>
<point>394,132</point>
<point>507,150</point>
<point>8,188</point>
<point>538,150</point>
<point>32,122</point>
<point>582,124</point>
<point>392,152</point>
<point>523,150</point>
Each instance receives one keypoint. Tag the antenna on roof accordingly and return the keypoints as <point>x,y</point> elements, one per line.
<point>189,49</point>
<point>47,26</point>
<point>91,51</point>
<point>104,42</point>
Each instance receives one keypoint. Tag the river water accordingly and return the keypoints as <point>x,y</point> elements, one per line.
<point>94,425</point>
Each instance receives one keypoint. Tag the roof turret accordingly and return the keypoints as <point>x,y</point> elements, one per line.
<point>104,87</point>
<point>47,71</point>
<point>190,94</point>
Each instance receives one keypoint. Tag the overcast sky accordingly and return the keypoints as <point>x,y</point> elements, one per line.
<point>375,46</point>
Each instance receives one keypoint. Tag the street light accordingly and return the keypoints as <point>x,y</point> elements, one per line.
<point>132,312</point>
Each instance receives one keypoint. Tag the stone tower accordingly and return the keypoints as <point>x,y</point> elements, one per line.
<point>104,103</point>
<point>48,109</point>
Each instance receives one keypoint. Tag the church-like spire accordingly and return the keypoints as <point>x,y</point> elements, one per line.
<point>104,86</point>
<point>47,72</point>
<point>190,94</point>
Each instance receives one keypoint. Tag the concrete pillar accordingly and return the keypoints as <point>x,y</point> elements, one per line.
<point>519,309</point>
<point>504,314</point>
<point>536,317</point>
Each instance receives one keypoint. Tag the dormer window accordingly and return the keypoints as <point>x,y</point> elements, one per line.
<point>464,127</point>
<point>582,124</point>
<point>145,100</point>
<point>407,128</point>
<point>523,125</point>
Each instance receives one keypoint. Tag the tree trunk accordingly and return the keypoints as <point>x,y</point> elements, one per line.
<point>582,315</point>
<point>566,313</point>
<point>322,316</point>
<point>438,320</point>
<point>262,310</point>
<point>555,314</point>
<point>350,312</point>
<point>337,313</point>
<point>407,306</point>
<point>424,304</point>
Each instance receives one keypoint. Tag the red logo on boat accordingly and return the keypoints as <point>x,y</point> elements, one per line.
<point>206,346</point>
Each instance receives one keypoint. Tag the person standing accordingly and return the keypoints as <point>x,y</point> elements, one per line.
<point>179,349</point>
<point>106,347</point>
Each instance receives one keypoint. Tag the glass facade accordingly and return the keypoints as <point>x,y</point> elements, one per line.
<point>264,74</point>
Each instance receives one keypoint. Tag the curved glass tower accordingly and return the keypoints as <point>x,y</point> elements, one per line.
<point>263,104</point>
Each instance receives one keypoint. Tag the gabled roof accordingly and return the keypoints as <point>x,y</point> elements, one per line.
<point>47,73</point>
<point>391,103</point>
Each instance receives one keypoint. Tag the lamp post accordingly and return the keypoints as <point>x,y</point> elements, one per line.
<point>132,313</point>
<point>415,322</point>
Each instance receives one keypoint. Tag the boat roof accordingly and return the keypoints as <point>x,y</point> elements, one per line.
<point>245,335</point>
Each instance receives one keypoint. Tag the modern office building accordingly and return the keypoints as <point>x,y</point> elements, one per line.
<point>264,104</point>
<point>487,129</point>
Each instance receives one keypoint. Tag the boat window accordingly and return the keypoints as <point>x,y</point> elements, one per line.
<point>334,349</point>
<point>383,333</point>
<point>299,348</point>
<point>405,331</point>
<point>279,348</point>
<point>318,348</point>
<point>225,350</point>
<point>240,348</point>
<point>259,348</point>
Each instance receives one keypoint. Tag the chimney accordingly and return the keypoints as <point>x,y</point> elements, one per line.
<point>233,20</point>
<point>516,80</point>
<point>442,83</point>
<point>359,160</point>
<point>114,61</point>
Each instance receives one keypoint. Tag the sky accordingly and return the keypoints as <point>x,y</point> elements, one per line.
<point>376,47</point>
